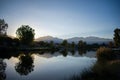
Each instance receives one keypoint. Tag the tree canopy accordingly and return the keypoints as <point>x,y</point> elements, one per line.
<point>3,27</point>
<point>117,37</point>
<point>81,44</point>
<point>25,34</point>
<point>64,43</point>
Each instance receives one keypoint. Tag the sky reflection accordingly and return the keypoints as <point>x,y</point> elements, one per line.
<point>53,68</point>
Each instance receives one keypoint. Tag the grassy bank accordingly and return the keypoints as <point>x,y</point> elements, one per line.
<point>107,66</point>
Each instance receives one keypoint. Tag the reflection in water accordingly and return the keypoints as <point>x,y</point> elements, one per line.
<point>58,66</point>
<point>64,52</point>
<point>82,51</point>
<point>2,70</point>
<point>25,65</point>
<point>73,52</point>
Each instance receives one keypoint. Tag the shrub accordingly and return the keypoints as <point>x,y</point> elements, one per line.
<point>104,53</point>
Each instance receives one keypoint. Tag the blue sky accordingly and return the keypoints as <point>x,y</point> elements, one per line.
<point>63,18</point>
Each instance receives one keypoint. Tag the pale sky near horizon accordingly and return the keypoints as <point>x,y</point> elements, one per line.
<point>63,18</point>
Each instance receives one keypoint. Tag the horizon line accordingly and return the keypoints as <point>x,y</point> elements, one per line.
<point>63,38</point>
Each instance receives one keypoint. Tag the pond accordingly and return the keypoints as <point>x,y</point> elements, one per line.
<point>45,66</point>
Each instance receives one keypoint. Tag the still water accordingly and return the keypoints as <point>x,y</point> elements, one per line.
<point>47,66</point>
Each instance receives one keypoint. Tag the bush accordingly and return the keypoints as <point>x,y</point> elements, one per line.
<point>104,53</point>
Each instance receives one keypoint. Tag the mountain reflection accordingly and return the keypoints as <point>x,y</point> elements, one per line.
<point>25,65</point>
<point>2,70</point>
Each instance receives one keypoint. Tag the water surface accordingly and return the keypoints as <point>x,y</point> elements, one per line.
<point>47,66</point>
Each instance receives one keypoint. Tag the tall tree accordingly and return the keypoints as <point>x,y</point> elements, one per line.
<point>25,34</point>
<point>117,37</point>
<point>51,44</point>
<point>64,43</point>
<point>3,27</point>
<point>81,44</point>
<point>73,45</point>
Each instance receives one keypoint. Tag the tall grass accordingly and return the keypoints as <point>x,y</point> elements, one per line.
<point>106,68</point>
<point>104,53</point>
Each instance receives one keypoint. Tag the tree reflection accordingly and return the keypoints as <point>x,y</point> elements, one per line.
<point>73,51</point>
<point>2,70</point>
<point>82,51</point>
<point>25,65</point>
<point>64,52</point>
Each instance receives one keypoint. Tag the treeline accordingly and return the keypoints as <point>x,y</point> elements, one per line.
<point>65,45</point>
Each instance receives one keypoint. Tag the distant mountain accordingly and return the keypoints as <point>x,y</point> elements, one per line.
<point>89,40</point>
<point>49,38</point>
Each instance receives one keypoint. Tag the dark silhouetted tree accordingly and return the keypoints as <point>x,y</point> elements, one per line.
<point>5,41</point>
<point>81,44</point>
<point>64,43</point>
<point>73,45</point>
<point>3,27</point>
<point>51,44</point>
<point>111,44</point>
<point>117,37</point>
<point>25,34</point>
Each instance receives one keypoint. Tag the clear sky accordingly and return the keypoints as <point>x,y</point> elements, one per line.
<point>63,18</point>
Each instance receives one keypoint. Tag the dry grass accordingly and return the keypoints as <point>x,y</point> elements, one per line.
<point>104,53</point>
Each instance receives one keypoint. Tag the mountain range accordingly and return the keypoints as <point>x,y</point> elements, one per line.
<point>88,40</point>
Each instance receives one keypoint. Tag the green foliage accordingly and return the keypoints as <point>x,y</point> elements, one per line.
<point>3,27</point>
<point>25,34</point>
<point>117,37</point>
